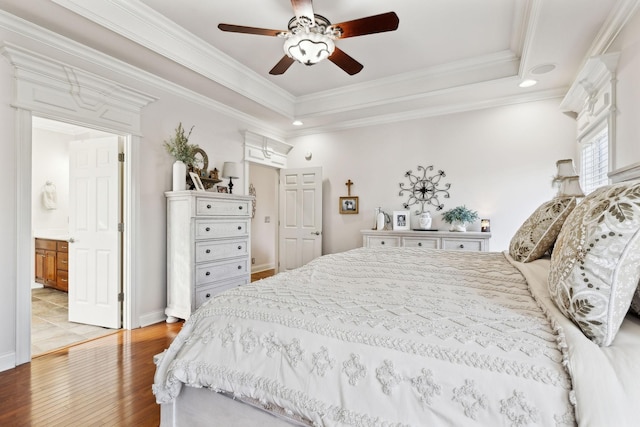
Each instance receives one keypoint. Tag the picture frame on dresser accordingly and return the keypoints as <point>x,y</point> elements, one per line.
<point>196,181</point>
<point>401,220</point>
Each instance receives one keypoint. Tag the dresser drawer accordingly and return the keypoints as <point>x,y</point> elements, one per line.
<point>49,245</point>
<point>215,271</point>
<point>220,249</point>
<point>62,246</point>
<point>417,242</point>
<point>383,241</point>
<point>204,294</point>
<point>206,207</point>
<point>462,244</point>
<point>216,229</point>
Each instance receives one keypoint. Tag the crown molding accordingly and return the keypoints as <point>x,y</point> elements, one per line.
<point>55,41</point>
<point>143,25</point>
<point>527,32</point>
<point>408,86</point>
<point>617,19</point>
<point>434,111</point>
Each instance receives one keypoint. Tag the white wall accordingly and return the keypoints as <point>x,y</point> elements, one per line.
<point>264,234</point>
<point>627,149</point>
<point>499,162</point>
<point>50,160</point>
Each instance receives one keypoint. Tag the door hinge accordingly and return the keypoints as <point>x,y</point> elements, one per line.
<point>121,157</point>
<point>121,227</point>
<point>121,297</point>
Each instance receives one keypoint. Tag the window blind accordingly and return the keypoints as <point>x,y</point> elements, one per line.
<point>595,162</point>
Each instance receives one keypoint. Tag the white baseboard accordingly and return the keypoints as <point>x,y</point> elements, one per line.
<point>262,267</point>
<point>7,361</point>
<point>152,318</point>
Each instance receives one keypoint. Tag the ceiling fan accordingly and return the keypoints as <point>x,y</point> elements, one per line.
<point>310,37</point>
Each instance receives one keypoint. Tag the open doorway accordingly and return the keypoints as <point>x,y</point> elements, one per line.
<point>50,324</point>
<point>263,183</point>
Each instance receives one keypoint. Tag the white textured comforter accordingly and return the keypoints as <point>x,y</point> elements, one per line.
<point>385,336</point>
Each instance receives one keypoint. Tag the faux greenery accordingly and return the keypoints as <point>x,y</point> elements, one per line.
<point>178,146</point>
<point>460,214</point>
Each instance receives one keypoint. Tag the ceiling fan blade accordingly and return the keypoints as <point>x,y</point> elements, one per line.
<point>344,61</point>
<point>282,66</point>
<point>303,8</point>
<point>370,25</point>
<point>249,30</point>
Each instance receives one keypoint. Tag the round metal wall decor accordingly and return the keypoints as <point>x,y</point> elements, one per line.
<point>424,190</point>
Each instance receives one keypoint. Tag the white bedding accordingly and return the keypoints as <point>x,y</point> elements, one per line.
<point>399,336</point>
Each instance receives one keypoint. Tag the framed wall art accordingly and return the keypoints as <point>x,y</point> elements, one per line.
<point>401,220</point>
<point>349,205</point>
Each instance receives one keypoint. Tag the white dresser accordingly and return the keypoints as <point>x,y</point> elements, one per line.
<point>208,247</point>
<point>466,241</point>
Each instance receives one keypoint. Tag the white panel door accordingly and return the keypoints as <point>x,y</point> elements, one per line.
<point>94,244</point>
<point>300,216</point>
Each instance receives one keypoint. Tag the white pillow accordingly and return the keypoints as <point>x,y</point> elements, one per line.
<point>595,265</point>
<point>539,232</point>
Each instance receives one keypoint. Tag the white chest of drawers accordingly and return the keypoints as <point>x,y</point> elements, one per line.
<point>208,247</point>
<point>466,241</point>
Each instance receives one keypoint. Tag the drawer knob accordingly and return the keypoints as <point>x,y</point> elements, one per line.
<point>461,246</point>
<point>239,227</point>
<point>63,280</point>
<point>382,243</point>
<point>64,262</point>
<point>239,247</point>
<point>208,273</point>
<point>208,251</point>
<point>240,207</point>
<point>208,296</point>
<point>419,243</point>
<point>207,229</point>
<point>208,206</point>
<point>239,267</point>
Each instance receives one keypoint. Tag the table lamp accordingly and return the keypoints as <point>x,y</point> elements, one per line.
<point>231,170</point>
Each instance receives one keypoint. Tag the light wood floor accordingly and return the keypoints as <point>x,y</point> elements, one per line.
<point>262,274</point>
<point>104,382</point>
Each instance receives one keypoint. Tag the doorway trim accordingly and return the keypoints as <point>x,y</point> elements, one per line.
<point>58,91</point>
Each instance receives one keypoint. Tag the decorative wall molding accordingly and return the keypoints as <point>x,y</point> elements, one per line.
<point>265,151</point>
<point>60,90</point>
<point>592,98</point>
<point>617,19</point>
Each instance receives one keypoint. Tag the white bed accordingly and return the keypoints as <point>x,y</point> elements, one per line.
<point>395,337</point>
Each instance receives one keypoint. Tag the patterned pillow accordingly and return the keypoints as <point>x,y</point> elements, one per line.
<point>538,233</point>
<point>595,266</point>
<point>635,302</point>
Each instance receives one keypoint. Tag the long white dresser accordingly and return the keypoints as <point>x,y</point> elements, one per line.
<point>208,247</point>
<point>466,241</point>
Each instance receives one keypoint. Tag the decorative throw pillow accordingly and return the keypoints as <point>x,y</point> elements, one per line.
<point>595,266</point>
<point>538,233</point>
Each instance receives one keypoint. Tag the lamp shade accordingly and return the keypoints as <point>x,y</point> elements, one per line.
<point>570,187</point>
<point>231,170</point>
<point>565,168</point>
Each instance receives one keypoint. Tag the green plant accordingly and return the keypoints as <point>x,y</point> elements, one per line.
<point>460,214</point>
<point>178,146</point>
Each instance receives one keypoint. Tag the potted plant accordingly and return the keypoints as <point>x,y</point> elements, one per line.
<point>183,153</point>
<point>459,217</point>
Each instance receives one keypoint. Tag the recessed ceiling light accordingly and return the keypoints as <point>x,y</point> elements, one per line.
<point>528,83</point>
<point>543,69</point>
<point>297,123</point>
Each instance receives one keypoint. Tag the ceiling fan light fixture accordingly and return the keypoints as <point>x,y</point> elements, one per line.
<point>309,48</point>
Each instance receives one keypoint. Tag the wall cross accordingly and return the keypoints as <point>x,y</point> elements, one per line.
<point>348,184</point>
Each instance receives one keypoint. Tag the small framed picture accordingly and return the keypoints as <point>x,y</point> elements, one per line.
<point>401,220</point>
<point>222,189</point>
<point>196,181</point>
<point>349,205</point>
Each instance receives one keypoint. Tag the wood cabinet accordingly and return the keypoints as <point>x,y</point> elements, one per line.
<point>208,247</point>
<point>52,263</point>
<point>466,241</point>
